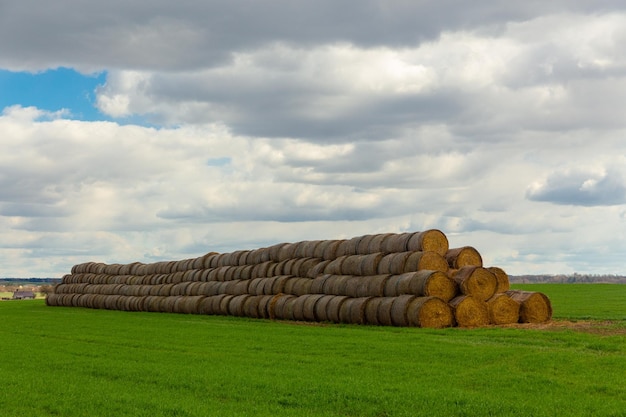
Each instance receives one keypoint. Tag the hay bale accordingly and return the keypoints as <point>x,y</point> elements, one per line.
<point>432,240</point>
<point>333,308</point>
<point>430,312</point>
<point>476,281</point>
<point>317,284</point>
<point>348,247</point>
<point>417,261</point>
<point>463,256</point>
<point>362,247</point>
<point>369,264</point>
<point>423,283</point>
<point>256,286</point>
<point>351,265</point>
<point>336,284</point>
<point>298,308</point>
<point>502,279</point>
<point>286,251</point>
<point>469,311</point>
<point>399,310</point>
<point>334,267</point>
<point>274,251</point>
<point>393,263</point>
<point>278,284</point>
<point>236,304</point>
<point>263,308</point>
<point>384,311</point>
<point>503,309</point>
<point>283,307</point>
<point>321,307</point>
<point>251,306</point>
<point>298,286</point>
<point>331,249</point>
<point>535,307</point>
<point>356,286</point>
<point>308,265</point>
<point>396,242</point>
<point>308,309</point>
<point>375,286</point>
<point>376,242</point>
<point>371,311</point>
<point>352,310</point>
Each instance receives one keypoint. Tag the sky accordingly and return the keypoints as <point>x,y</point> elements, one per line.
<point>147,131</point>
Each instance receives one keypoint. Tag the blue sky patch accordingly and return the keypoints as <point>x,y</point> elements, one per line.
<point>53,90</point>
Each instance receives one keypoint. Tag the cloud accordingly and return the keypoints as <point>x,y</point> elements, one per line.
<point>580,187</point>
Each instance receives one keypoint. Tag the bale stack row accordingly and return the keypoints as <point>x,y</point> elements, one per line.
<point>394,279</point>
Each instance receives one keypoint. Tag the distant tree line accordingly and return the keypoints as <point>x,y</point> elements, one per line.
<point>569,279</point>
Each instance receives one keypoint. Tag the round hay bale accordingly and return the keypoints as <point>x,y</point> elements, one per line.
<point>463,256</point>
<point>356,286</point>
<point>224,304</point>
<point>396,242</point>
<point>298,307</point>
<point>317,284</point>
<point>209,288</point>
<point>274,251</point>
<point>209,259</point>
<point>318,268</point>
<point>430,312</point>
<point>371,311</point>
<point>336,284</point>
<point>348,247</point>
<point>369,264</point>
<point>52,299</point>
<point>204,305</point>
<point>308,248</point>
<point>364,243</point>
<point>308,308</point>
<point>476,281</point>
<point>124,269</point>
<point>251,306</point>
<point>260,270</point>
<point>393,263</point>
<point>422,283</point>
<point>503,309</point>
<point>321,305</point>
<point>432,261</point>
<point>399,310</point>
<point>241,287</point>
<point>432,240</point>
<point>191,304</point>
<point>331,249</point>
<point>535,307</point>
<point>246,272</point>
<point>278,285</point>
<point>298,250</point>
<point>469,311</point>
<point>378,243</point>
<point>502,279</point>
<point>264,306</point>
<point>198,263</point>
<point>353,310</point>
<point>236,304</point>
<point>216,301</point>
<point>229,275</point>
<point>286,252</point>
<point>256,286</point>
<point>179,289</point>
<point>306,265</point>
<point>280,308</point>
<point>374,286</point>
<point>333,308</point>
<point>334,267</point>
<point>288,268</point>
<point>384,311</point>
<point>351,265</point>
<point>193,289</point>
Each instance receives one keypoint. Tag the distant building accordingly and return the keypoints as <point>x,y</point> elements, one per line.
<point>23,295</point>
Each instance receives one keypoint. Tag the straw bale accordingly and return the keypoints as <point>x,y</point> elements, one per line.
<point>321,307</point>
<point>535,306</point>
<point>241,287</point>
<point>264,303</point>
<point>334,267</point>
<point>251,306</point>
<point>308,308</point>
<point>503,309</point>
<point>235,305</point>
<point>463,256</point>
<point>279,308</point>
<point>352,310</point>
<point>317,284</point>
<point>364,244</point>
<point>306,266</point>
<point>330,249</point>
<point>288,268</point>
<point>229,275</point>
<point>430,312</point>
<point>356,286</point>
<point>374,286</point>
<point>476,281</point>
<point>396,242</point>
<point>384,311</point>
<point>306,249</point>
<point>336,284</point>
<point>376,242</point>
<point>399,310</point>
<point>278,285</point>
<point>348,247</point>
<point>274,251</point>
<point>430,260</point>
<point>502,279</point>
<point>286,251</point>
<point>371,311</point>
<point>318,269</point>
<point>333,308</point>
<point>209,260</point>
<point>421,283</point>
<point>224,304</point>
<point>198,263</point>
<point>209,288</point>
<point>246,272</point>
<point>432,240</point>
<point>469,311</point>
<point>393,263</point>
<point>256,286</point>
<point>204,306</point>
<point>193,288</point>
<point>369,264</point>
<point>298,307</point>
<point>351,265</point>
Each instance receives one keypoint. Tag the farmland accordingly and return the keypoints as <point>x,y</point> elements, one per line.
<point>82,362</point>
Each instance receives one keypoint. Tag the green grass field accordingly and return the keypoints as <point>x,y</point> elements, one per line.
<point>60,361</point>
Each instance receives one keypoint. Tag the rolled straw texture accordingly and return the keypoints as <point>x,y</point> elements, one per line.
<point>476,281</point>
<point>535,306</point>
<point>502,279</point>
<point>429,312</point>
<point>463,256</point>
<point>416,261</point>
<point>469,311</point>
<point>503,309</point>
<point>432,240</point>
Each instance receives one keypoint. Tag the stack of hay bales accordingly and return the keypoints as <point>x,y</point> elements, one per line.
<point>392,279</point>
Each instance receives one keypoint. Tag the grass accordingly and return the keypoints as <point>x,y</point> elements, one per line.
<point>61,361</point>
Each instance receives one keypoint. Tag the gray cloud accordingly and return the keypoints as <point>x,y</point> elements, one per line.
<point>580,187</point>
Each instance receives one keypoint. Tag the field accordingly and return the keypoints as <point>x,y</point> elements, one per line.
<point>60,361</point>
